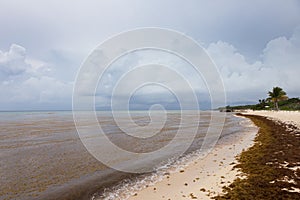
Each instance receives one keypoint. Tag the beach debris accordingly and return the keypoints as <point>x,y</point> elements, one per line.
<point>193,196</point>
<point>273,158</point>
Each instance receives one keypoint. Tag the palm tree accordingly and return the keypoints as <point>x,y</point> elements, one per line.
<point>262,103</point>
<point>277,94</point>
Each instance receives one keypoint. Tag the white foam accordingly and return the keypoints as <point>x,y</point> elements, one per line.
<point>129,187</point>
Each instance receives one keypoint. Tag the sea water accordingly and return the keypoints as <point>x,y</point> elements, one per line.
<point>42,156</point>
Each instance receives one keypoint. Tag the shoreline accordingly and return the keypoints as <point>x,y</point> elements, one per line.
<point>205,177</point>
<point>222,168</point>
<point>289,117</point>
<point>271,166</point>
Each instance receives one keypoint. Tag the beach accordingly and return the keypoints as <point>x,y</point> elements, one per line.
<point>206,177</point>
<point>290,117</point>
<point>43,158</point>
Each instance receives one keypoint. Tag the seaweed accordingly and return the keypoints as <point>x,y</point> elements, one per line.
<point>269,166</point>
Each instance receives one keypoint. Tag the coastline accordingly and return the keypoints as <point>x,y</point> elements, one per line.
<point>205,177</point>
<point>289,117</point>
<point>271,166</point>
<point>221,168</point>
<point>202,178</point>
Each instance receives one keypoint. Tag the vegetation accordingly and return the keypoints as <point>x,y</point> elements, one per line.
<point>276,95</point>
<point>270,165</point>
<point>289,104</point>
<point>277,100</point>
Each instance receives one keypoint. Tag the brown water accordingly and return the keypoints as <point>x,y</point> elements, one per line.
<point>42,157</point>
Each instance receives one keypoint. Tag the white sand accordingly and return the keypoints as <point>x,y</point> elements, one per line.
<point>292,117</point>
<point>210,173</point>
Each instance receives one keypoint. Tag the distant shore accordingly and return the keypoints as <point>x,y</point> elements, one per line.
<point>205,179</point>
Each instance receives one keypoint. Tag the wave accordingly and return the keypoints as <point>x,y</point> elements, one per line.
<point>129,186</point>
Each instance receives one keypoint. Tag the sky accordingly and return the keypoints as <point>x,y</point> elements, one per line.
<point>254,44</point>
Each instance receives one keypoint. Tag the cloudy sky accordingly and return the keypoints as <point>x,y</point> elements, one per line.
<point>254,44</point>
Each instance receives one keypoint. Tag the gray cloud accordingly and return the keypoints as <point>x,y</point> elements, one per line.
<point>254,44</point>
<point>245,82</point>
<point>69,25</point>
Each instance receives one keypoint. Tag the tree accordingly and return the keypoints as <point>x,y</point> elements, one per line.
<point>277,94</point>
<point>262,103</point>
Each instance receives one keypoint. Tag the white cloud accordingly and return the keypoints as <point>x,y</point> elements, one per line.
<point>279,66</point>
<point>244,81</point>
<point>13,61</point>
<point>283,54</point>
<point>27,82</point>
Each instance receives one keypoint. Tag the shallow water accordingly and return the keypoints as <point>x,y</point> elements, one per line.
<point>42,156</point>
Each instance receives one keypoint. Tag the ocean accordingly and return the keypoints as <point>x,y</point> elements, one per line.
<point>42,156</point>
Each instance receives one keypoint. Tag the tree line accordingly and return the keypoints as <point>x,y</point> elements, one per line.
<point>277,100</point>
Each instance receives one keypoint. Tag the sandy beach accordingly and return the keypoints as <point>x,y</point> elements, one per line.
<point>42,156</point>
<point>290,117</point>
<point>49,140</point>
<point>205,178</point>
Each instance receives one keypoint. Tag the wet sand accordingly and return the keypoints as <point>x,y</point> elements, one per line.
<point>42,156</point>
<point>205,177</point>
